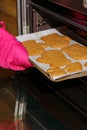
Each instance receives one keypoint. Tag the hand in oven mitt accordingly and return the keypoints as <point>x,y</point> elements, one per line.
<point>13,54</point>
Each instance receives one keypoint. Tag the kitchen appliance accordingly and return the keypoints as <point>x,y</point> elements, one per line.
<point>51,105</point>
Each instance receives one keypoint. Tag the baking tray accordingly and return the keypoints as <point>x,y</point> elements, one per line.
<point>43,67</point>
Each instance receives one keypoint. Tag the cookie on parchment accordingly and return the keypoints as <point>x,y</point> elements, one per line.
<point>76,51</point>
<point>54,58</point>
<point>73,67</point>
<point>85,65</point>
<point>56,41</point>
<point>54,72</point>
<point>33,47</point>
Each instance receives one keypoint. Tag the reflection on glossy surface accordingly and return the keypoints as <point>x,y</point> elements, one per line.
<point>14,125</point>
<point>10,92</point>
<point>85,3</point>
<point>39,90</point>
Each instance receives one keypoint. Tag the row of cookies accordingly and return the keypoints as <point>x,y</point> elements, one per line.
<point>56,58</point>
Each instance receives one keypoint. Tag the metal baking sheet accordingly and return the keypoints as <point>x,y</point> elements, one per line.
<point>43,67</point>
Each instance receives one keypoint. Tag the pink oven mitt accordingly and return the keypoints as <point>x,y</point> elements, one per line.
<point>13,54</point>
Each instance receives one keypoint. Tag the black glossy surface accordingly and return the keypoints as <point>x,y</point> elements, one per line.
<point>72,5</point>
<point>62,12</point>
<point>65,101</point>
<point>35,118</point>
<point>51,105</point>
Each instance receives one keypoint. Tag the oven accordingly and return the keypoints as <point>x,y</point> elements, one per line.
<point>54,105</point>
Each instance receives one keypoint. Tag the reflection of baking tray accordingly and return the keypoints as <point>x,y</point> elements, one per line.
<point>43,67</point>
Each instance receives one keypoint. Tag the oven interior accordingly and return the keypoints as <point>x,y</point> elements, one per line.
<point>46,14</point>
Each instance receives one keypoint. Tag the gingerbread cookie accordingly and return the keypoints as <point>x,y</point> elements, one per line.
<point>54,58</point>
<point>56,41</point>
<point>76,51</point>
<point>73,67</point>
<point>56,72</point>
<point>33,47</point>
<point>85,64</point>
